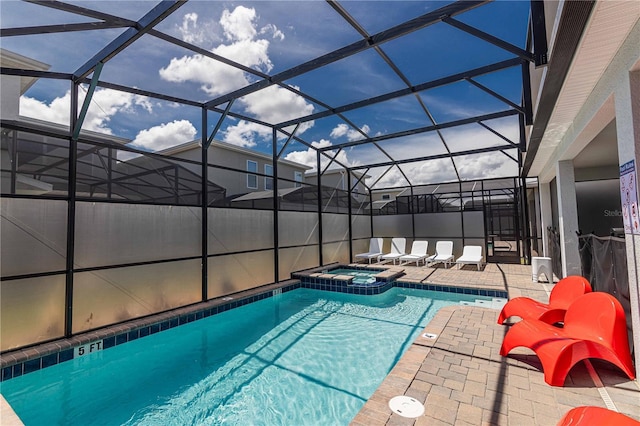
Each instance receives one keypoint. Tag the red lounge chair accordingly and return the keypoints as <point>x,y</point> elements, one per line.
<point>594,327</point>
<point>595,416</point>
<point>563,294</point>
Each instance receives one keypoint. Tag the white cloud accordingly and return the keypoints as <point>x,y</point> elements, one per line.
<point>470,167</point>
<point>339,130</point>
<point>165,135</point>
<point>276,104</point>
<point>309,157</point>
<point>189,22</point>
<point>194,31</point>
<point>239,24</point>
<point>104,105</point>
<point>56,112</point>
<point>351,134</point>
<point>486,166</point>
<point>217,78</point>
<point>245,133</point>
<point>273,30</point>
<point>272,105</point>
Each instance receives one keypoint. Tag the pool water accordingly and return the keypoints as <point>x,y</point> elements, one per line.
<point>359,276</point>
<point>305,357</point>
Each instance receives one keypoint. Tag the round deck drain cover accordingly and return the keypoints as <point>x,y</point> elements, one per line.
<point>406,406</point>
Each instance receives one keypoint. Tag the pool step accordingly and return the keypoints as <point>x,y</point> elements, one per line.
<point>495,303</point>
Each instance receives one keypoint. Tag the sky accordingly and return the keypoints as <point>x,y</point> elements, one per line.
<point>270,37</point>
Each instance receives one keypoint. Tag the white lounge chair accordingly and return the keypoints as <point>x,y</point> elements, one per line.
<point>470,255</point>
<point>444,254</point>
<point>375,250</point>
<point>398,246</point>
<point>418,253</point>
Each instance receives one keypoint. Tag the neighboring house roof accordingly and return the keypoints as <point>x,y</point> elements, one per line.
<point>10,59</point>
<point>379,204</point>
<point>335,171</point>
<point>196,144</point>
<point>397,191</point>
<point>63,130</point>
<point>258,195</point>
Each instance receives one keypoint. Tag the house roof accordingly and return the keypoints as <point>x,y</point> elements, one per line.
<point>9,59</point>
<point>332,171</point>
<point>196,144</point>
<point>259,195</point>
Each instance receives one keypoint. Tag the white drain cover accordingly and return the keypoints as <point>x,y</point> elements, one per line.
<point>406,406</point>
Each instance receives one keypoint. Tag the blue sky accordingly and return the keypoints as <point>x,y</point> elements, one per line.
<point>271,37</point>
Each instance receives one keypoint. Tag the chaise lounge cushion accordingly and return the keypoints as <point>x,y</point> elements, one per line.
<point>375,250</point>
<point>418,253</point>
<point>444,253</point>
<point>471,255</point>
<point>397,250</point>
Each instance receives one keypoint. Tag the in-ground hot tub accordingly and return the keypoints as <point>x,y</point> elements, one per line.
<point>349,279</point>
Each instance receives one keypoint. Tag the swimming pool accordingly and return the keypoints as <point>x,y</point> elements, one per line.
<point>305,357</point>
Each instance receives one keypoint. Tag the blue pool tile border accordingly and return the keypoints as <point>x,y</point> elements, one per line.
<point>453,289</point>
<point>59,354</point>
<point>380,287</point>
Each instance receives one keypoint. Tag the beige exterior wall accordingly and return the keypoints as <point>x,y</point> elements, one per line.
<point>221,154</point>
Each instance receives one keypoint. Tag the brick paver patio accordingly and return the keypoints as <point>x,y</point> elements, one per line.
<point>461,378</point>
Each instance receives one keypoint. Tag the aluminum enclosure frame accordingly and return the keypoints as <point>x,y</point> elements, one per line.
<point>89,74</point>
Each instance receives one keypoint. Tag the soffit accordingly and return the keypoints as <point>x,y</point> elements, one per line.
<point>610,23</point>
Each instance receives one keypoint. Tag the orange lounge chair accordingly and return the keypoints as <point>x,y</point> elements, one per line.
<point>564,292</point>
<point>595,416</point>
<point>594,327</point>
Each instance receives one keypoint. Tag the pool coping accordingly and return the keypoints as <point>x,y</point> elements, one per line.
<point>16,363</point>
<point>390,276</point>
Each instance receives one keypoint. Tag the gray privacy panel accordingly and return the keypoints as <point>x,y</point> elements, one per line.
<point>335,252</point>
<point>473,224</point>
<point>236,272</point>
<point>34,236</point>
<point>393,226</point>
<point>361,226</point>
<point>114,295</point>
<point>31,310</point>
<point>437,225</point>
<point>335,227</point>
<point>297,228</point>
<point>234,230</point>
<point>296,259</point>
<point>112,234</point>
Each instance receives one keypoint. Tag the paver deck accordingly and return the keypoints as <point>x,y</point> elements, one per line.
<point>461,378</point>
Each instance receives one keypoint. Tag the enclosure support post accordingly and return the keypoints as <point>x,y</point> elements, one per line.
<point>349,207</point>
<point>109,171</point>
<point>319,183</point>
<point>205,207</point>
<point>371,212</point>
<point>461,211</point>
<point>276,208</point>
<point>412,208</point>
<point>71,214</point>
<point>14,159</point>
<point>527,227</point>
